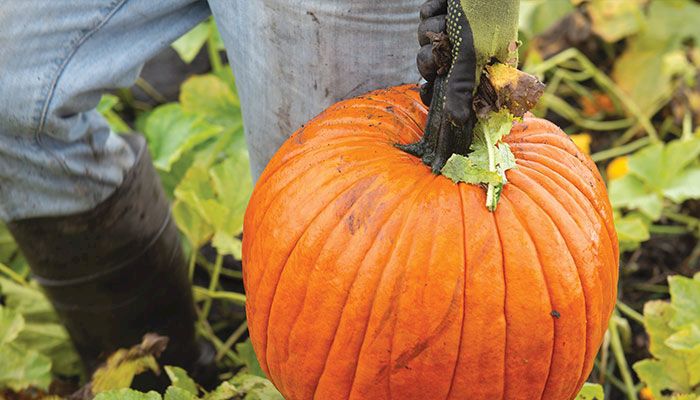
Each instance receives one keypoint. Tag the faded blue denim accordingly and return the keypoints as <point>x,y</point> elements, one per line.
<point>291,58</point>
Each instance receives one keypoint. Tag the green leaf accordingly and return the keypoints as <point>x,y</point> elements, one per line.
<point>685,296</point>
<point>8,247</point>
<point>632,228</point>
<point>662,376</point>
<point>210,97</point>
<point>22,368</point>
<point>226,244</point>
<point>674,336</point>
<point>630,192</point>
<point>180,379</point>
<point>233,185</point>
<point>640,71</point>
<point>192,224</point>
<point>105,107</point>
<point>213,202</point>
<point>647,165</point>
<point>41,330</point>
<point>488,160</point>
<point>28,301</point>
<point>591,391</point>
<point>685,340</point>
<point>462,169</point>
<point>255,388</point>
<point>107,102</point>
<point>127,394</point>
<point>536,16</point>
<point>684,186</point>
<point>613,20</point>
<point>11,324</point>
<point>176,393</point>
<point>247,354</point>
<point>171,133</point>
<point>52,340</point>
<point>225,391</point>
<point>190,44</point>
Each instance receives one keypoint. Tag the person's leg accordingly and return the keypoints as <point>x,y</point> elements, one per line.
<point>84,204</point>
<point>57,154</point>
<point>293,58</point>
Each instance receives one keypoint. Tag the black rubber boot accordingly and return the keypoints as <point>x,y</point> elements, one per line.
<point>117,272</point>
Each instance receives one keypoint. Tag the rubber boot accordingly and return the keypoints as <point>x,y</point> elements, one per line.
<point>118,271</point>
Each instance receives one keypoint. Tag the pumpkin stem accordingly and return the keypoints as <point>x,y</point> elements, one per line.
<point>480,32</point>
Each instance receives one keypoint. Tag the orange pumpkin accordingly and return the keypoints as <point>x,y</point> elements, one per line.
<point>369,277</point>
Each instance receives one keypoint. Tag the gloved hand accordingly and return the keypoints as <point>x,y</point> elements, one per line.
<point>433,14</point>
<point>447,50</point>
<point>447,60</point>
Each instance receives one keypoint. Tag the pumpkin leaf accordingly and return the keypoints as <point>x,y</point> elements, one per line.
<point>191,43</point>
<point>632,229</point>
<point>180,379</point>
<point>41,330</point>
<point>171,133</point>
<point>657,172</point>
<point>106,107</point>
<point>489,158</point>
<point>247,354</point>
<point>210,97</point>
<point>642,70</point>
<point>124,364</point>
<point>177,393</point>
<point>674,341</point>
<point>463,169</point>
<point>591,391</point>
<point>685,295</point>
<point>191,224</point>
<point>613,20</point>
<point>536,16</point>
<point>22,368</point>
<point>253,387</point>
<point>127,394</point>
<point>11,324</point>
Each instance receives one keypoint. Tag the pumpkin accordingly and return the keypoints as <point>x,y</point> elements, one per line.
<point>370,277</point>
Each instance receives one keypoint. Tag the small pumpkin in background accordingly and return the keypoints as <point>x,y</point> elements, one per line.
<point>370,277</point>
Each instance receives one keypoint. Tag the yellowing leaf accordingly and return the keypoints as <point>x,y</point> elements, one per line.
<point>591,391</point>
<point>210,97</point>
<point>127,394</point>
<point>674,335</point>
<point>640,71</point>
<point>121,367</point>
<point>613,20</point>
<point>582,141</point>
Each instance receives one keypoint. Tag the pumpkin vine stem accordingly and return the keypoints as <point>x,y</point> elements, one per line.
<point>479,33</point>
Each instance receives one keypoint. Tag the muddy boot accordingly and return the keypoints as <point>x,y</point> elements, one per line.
<point>117,272</point>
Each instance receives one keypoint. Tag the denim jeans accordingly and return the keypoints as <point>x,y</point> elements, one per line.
<point>291,59</point>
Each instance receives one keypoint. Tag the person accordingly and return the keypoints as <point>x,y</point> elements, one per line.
<point>85,205</point>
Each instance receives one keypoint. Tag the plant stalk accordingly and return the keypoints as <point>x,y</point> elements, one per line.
<point>479,32</point>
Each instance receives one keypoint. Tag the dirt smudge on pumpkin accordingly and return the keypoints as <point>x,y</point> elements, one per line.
<point>353,223</point>
<point>349,198</point>
<point>407,356</point>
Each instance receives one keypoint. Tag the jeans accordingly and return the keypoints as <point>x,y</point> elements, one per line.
<point>291,59</point>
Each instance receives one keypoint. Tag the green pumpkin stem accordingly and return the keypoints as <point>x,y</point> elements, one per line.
<point>492,33</point>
